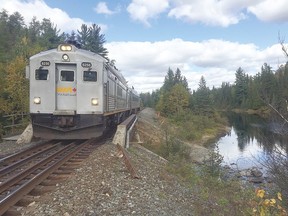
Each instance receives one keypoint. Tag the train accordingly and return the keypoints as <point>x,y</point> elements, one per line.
<point>76,94</point>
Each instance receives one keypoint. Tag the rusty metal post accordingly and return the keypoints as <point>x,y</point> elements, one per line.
<point>128,163</point>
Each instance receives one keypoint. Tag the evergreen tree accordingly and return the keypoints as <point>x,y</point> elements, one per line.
<point>178,77</point>
<point>268,84</point>
<point>168,81</point>
<point>83,36</point>
<point>49,35</point>
<point>202,99</point>
<point>11,30</point>
<point>91,39</point>
<point>241,87</point>
<point>34,30</point>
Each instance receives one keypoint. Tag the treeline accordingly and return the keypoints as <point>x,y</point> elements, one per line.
<point>267,88</point>
<point>175,97</point>
<point>19,41</point>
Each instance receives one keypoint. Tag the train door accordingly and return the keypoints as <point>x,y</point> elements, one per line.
<point>66,87</point>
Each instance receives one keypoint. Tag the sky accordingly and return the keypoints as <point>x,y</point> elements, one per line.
<point>210,38</point>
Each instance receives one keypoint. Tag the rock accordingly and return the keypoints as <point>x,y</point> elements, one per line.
<point>198,153</point>
<point>26,136</point>
<point>255,172</point>
<point>256,180</point>
<point>244,173</point>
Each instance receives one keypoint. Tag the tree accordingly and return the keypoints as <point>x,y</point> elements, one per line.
<point>168,80</point>
<point>169,90</point>
<point>16,87</point>
<point>267,81</point>
<point>202,99</point>
<point>241,86</point>
<point>83,36</point>
<point>34,30</point>
<point>178,99</point>
<point>91,39</point>
<point>11,29</point>
<point>49,35</point>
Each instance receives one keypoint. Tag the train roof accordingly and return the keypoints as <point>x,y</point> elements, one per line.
<point>71,49</point>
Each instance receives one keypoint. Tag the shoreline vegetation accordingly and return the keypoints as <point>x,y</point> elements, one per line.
<point>215,193</point>
<point>264,112</point>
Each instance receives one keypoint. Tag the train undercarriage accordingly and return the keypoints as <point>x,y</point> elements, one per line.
<point>79,126</point>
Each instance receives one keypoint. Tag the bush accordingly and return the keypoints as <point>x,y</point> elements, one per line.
<point>277,166</point>
<point>212,164</point>
<point>264,205</point>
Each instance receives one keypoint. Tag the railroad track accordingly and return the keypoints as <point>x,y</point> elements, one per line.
<point>37,170</point>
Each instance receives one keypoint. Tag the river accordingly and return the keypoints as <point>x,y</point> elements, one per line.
<point>250,140</point>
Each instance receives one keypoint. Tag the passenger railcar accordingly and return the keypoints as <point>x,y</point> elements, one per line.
<point>76,94</point>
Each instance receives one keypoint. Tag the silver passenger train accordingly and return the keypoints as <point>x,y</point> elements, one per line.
<point>76,94</point>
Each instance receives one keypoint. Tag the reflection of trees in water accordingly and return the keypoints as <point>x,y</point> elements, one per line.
<point>251,127</point>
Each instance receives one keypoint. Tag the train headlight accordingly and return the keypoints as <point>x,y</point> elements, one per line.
<point>65,57</point>
<point>66,47</point>
<point>94,101</point>
<point>37,100</point>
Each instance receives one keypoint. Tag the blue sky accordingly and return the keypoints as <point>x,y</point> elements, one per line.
<point>212,38</point>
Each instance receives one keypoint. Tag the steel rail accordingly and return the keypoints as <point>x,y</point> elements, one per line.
<point>24,189</point>
<point>19,163</point>
<point>11,181</point>
<point>24,152</point>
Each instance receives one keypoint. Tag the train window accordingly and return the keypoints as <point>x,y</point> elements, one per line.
<point>119,91</point>
<point>90,76</point>
<point>41,74</point>
<point>67,75</point>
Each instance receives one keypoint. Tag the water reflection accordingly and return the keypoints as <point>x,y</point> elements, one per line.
<point>250,140</point>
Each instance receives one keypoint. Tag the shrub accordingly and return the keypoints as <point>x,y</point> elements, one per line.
<point>277,166</point>
<point>265,206</point>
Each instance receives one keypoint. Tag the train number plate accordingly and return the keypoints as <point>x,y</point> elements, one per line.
<point>86,64</point>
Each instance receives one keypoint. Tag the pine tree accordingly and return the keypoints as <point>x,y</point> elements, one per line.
<point>91,39</point>
<point>83,36</point>
<point>168,81</point>
<point>49,36</point>
<point>202,99</point>
<point>241,87</point>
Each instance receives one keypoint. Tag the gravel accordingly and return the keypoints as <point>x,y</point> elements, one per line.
<point>104,186</point>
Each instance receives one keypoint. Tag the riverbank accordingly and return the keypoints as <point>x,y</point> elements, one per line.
<point>162,135</point>
<point>264,112</point>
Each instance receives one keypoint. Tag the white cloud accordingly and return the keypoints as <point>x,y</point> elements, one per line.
<point>102,8</point>
<point>143,10</point>
<point>270,10</point>
<point>145,64</point>
<point>209,12</point>
<point>38,8</point>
